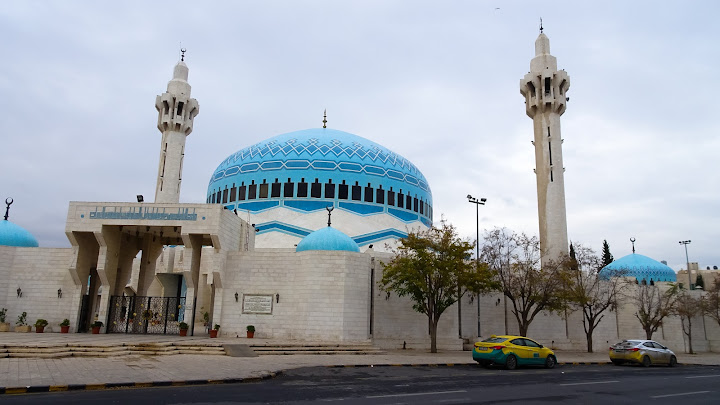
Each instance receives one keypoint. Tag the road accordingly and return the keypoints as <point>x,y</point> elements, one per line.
<point>462,384</point>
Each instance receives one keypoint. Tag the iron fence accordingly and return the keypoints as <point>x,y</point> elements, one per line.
<point>151,315</point>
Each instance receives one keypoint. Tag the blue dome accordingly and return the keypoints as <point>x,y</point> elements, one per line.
<point>15,235</point>
<point>327,238</point>
<point>640,268</point>
<point>321,165</point>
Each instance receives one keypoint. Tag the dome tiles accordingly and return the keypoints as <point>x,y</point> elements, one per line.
<point>15,235</point>
<point>327,238</point>
<point>640,268</point>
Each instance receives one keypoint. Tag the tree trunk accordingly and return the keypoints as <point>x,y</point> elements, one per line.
<point>433,336</point>
<point>689,335</point>
<point>523,328</point>
<point>589,342</point>
<point>648,334</point>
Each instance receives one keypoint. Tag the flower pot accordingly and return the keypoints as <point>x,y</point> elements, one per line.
<point>183,332</point>
<point>250,335</point>
<point>213,333</point>
<point>96,330</point>
<point>4,327</point>
<point>39,329</point>
<point>23,328</point>
<point>64,329</point>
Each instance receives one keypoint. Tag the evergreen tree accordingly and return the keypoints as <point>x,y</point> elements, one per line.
<point>607,257</point>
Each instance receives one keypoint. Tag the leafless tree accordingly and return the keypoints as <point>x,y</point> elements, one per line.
<point>653,306</point>
<point>687,307</point>
<point>531,288</point>
<point>711,302</point>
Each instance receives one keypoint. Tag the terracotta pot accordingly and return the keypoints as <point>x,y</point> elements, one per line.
<point>183,332</point>
<point>39,329</point>
<point>250,335</point>
<point>64,329</point>
<point>213,333</point>
<point>96,330</point>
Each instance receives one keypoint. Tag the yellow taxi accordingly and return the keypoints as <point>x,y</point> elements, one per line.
<point>641,351</point>
<point>513,351</point>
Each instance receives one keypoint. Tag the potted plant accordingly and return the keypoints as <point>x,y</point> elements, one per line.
<point>40,325</point>
<point>4,326</point>
<point>21,324</point>
<point>214,331</point>
<point>183,328</point>
<point>65,326</point>
<point>250,331</point>
<point>96,327</point>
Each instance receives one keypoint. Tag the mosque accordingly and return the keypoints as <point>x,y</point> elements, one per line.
<point>290,239</point>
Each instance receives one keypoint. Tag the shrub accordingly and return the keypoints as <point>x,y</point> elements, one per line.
<point>41,323</point>
<point>65,322</point>
<point>183,325</point>
<point>217,326</point>
<point>97,324</point>
<point>250,328</point>
<point>22,319</point>
<point>3,312</point>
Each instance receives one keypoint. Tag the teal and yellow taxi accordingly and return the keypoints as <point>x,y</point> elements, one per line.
<point>512,351</point>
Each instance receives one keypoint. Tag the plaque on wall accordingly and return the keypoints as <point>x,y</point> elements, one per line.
<point>257,304</point>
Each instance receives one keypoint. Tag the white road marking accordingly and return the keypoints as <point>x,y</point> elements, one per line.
<point>402,385</point>
<point>704,376</point>
<point>590,382</point>
<point>416,394</point>
<point>679,394</point>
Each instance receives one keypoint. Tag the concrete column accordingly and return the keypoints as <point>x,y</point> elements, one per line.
<point>150,252</point>
<point>191,271</point>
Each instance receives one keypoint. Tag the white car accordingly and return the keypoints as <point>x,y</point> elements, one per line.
<point>645,352</point>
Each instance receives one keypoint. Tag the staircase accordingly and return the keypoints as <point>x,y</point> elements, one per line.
<point>277,348</point>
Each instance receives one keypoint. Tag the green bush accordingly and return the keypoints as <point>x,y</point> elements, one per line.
<point>65,322</point>
<point>41,323</point>
<point>250,328</point>
<point>22,319</point>
<point>183,325</point>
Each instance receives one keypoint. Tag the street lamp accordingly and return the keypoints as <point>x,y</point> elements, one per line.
<point>687,261</point>
<point>477,203</point>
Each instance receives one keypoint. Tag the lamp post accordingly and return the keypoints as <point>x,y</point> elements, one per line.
<point>687,261</point>
<point>477,203</point>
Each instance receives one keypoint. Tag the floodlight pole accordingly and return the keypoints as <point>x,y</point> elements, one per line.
<point>477,203</point>
<point>687,261</point>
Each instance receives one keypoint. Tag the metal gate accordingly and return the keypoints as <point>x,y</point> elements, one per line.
<point>153,315</point>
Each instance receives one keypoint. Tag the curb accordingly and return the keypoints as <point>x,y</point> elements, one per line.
<point>32,389</point>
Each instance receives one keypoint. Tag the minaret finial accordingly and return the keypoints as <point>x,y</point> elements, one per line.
<point>183,50</point>
<point>541,27</point>
<point>632,240</point>
<point>329,209</point>
<point>325,120</point>
<point>9,202</point>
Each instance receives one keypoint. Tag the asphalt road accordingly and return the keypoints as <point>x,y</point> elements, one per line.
<point>468,384</point>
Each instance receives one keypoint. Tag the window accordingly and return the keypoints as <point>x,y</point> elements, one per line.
<point>415,204</point>
<point>289,189</point>
<point>316,189</point>
<point>530,343</point>
<point>380,195</point>
<point>343,191</point>
<point>329,189</point>
<point>422,207</point>
<point>302,188</point>
<point>369,193</point>
<point>356,190</point>
<point>180,108</point>
<point>233,193</point>
<point>548,84</point>
<point>213,198</point>
<point>531,86</point>
<point>242,191</point>
<point>401,199</point>
<point>391,197</point>
<point>264,189</point>
<point>275,189</point>
<point>225,196</point>
<point>550,151</point>
<point>252,191</point>
<point>408,202</point>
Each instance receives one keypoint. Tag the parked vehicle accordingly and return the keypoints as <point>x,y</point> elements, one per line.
<point>640,351</point>
<point>512,351</point>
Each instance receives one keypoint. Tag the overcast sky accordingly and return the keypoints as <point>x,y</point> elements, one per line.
<point>435,81</point>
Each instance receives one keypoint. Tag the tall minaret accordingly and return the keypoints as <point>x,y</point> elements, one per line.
<point>176,111</point>
<point>545,88</point>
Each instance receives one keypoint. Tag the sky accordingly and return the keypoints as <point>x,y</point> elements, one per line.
<point>434,81</point>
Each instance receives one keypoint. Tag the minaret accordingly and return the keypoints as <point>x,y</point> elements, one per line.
<point>545,88</point>
<point>176,111</point>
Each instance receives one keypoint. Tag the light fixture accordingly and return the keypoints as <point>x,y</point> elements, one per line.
<point>19,292</point>
<point>140,198</point>
<point>370,247</point>
<point>59,292</point>
<point>236,297</point>
<point>277,298</point>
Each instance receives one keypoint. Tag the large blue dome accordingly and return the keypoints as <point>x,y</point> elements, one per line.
<point>15,235</point>
<point>640,268</point>
<point>327,238</point>
<point>306,170</point>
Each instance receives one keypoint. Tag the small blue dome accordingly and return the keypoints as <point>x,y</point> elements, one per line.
<point>327,238</point>
<point>640,268</point>
<point>15,235</point>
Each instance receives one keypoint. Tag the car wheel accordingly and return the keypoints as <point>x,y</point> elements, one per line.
<point>617,362</point>
<point>646,361</point>
<point>511,362</point>
<point>673,361</point>
<point>550,361</point>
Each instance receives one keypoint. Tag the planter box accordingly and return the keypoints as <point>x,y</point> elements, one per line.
<point>23,329</point>
<point>4,327</point>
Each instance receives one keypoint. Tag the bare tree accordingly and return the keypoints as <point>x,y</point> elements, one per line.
<point>515,261</point>
<point>687,307</point>
<point>653,306</point>
<point>711,302</point>
<point>591,292</point>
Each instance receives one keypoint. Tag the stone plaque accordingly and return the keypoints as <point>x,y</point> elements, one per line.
<point>257,304</point>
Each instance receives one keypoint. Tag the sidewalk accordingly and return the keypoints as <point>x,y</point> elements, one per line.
<point>19,375</point>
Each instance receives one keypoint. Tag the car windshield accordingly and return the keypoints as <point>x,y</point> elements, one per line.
<point>495,339</point>
<point>628,343</point>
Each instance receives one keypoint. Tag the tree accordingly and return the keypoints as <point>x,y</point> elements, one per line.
<point>514,259</point>
<point>687,307</point>
<point>653,306</point>
<point>711,302</point>
<point>607,257</point>
<point>587,291</point>
<point>432,267</point>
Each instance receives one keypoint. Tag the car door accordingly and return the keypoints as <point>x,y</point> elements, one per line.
<point>653,352</point>
<point>663,355</point>
<point>520,350</point>
<point>533,351</point>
